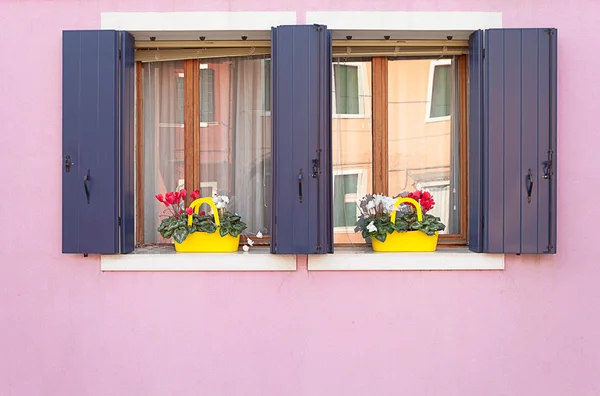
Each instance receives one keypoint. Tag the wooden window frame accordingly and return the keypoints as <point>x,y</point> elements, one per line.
<point>192,125</point>
<point>379,142</point>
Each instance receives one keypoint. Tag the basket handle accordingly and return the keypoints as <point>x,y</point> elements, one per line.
<point>410,201</point>
<point>196,207</point>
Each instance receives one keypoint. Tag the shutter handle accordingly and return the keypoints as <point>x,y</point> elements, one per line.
<point>529,179</point>
<point>85,186</point>
<point>300,185</point>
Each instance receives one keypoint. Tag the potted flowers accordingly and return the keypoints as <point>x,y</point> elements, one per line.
<point>192,231</point>
<point>407,228</point>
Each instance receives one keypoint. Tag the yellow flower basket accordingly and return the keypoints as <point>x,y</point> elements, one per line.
<point>410,241</point>
<point>203,242</point>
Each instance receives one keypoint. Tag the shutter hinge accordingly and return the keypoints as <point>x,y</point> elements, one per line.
<point>483,53</point>
<point>120,54</point>
<point>550,32</point>
<point>548,172</point>
<point>549,248</point>
<point>119,221</point>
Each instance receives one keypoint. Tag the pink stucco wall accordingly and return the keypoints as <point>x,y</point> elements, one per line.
<point>68,329</point>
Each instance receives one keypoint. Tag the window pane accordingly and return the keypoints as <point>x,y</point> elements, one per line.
<point>424,154</point>
<point>441,91</point>
<point>235,145</point>
<point>207,94</point>
<point>346,89</point>
<point>267,84</point>
<point>163,138</point>
<point>352,147</point>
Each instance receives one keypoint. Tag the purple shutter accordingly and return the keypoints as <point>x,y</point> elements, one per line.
<point>97,162</point>
<point>518,147</point>
<point>301,133</point>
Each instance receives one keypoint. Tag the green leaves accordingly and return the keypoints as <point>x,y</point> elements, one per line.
<point>178,228</point>
<point>180,234</point>
<point>404,222</point>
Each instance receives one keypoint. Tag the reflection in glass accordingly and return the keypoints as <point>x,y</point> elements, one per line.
<point>352,137</point>
<point>423,133</point>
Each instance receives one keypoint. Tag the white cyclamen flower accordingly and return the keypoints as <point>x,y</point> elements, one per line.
<point>371,227</point>
<point>216,199</point>
<point>225,199</point>
<point>259,235</point>
<point>250,242</point>
<point>245,248</point>
<point>220,205</point>
<point>371,205</point>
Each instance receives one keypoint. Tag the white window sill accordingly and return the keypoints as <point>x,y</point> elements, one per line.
<point>166,259</point>
<point>351,259</point>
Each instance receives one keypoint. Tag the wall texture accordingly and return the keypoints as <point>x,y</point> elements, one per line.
<point>68,329</point>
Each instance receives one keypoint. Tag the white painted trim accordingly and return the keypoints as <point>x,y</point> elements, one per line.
<point>405,20</point>
<point>367,260</point>
<point>432,65</point>
<point>258,259</point>
<point>196,21</point>
<point>363,91</point>
<point>361,191</point>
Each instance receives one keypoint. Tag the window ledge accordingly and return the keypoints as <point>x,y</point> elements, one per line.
<point>351,259</point>
<point>166,259</point>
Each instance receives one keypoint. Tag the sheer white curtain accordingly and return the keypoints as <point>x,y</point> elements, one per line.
<point>235,136</point>
<point>252,143</point>
<point>163,139</point>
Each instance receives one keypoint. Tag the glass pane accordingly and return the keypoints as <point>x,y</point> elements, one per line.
<point>352,146</point>
<point>344,195</point>
<point>441,91</point>
<point>346,89</point>
<point>235,139</point>
<point>207,94</point>
<point>423,151</point>
<point>163,139</point>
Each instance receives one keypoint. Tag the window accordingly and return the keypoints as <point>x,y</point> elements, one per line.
<point>396,148</point>
<point>352,157</point>
<point>207,95</point>
<point>439,94</point>
<point>350,89</point>
<point>348,186</point>
<point>220,144</point>
<point>420,151</point>
<point>385,147</point>
<point>266,82</point>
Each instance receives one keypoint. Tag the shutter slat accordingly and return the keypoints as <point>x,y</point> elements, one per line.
<point>529,141</point>
<point>475,141</point>
<point>494,145</point>
<point>127,194</point>
<point>301,127</point>
<point>514,178</point>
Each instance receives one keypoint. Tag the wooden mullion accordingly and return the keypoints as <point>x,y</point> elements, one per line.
<point>139,137</point>
<point>196,106</point>
<point>380,125</point>
<point>189,125</point>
